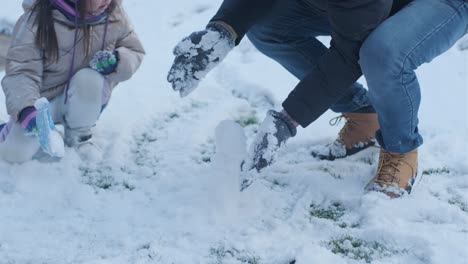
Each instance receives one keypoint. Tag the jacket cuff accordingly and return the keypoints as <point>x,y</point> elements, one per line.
<point>225,29</point>
<point>15,111</point>
<point>232,23</point>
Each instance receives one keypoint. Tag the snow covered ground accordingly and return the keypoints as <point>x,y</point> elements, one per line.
<point>162,195</point>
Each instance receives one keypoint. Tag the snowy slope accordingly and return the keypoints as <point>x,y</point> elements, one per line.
<point>162,195</point>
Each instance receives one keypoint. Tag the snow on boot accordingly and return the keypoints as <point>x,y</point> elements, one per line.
<point>275,130</point>
<point>396,173</point>
<point>82,141</point>
<point>89,151</point>
<point>357,134</point>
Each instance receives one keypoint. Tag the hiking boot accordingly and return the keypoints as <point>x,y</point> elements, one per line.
<point>396,173</point>
<point>357,134</point>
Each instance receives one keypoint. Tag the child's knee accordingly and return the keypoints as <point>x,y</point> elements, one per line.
<point>87,84</point>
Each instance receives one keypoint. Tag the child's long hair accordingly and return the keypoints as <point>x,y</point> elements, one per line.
<point>46,37</point>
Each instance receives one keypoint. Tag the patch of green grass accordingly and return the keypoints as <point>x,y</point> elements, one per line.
<point>458,202</point>
<point>333,212</point>
<point>221,253</point>
<point>443,170</point>
<point>173,116</point>
<point>276,183</point>
<point>346,225</point>
<point>100,177</point>
<point>331,172</point>
<point>128,186</point>
<point>247,121</point>
<point>207,151</point>
<point>142,150</point>
<point>246,117</point>
<point>359,249</point>
<point>197,104</point>
<point>368,160</point>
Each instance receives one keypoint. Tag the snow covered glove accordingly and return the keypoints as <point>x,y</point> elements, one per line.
<point>197,54</point>
<point>104,61</point>
<point>275,130</point>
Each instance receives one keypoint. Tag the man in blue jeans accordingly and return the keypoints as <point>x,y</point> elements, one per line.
<point>289,36</point>
<point>417,34</point>
<point>286,32</point>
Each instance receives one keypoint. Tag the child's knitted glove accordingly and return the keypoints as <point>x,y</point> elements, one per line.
<point>105,61</point>
<point>27,120</point>
<point>199,53</point>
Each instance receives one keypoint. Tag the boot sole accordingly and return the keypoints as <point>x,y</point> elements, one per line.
<point>416,181</point>
<point>348,153</point>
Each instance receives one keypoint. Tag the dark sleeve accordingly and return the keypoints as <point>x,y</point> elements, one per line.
<point>241,15</point>
<point>351,21</point>
<point>398,5</point>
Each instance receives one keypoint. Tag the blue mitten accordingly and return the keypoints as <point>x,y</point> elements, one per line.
<point>105,61</point>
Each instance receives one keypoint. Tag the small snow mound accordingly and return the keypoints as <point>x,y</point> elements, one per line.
<point>231,140</point>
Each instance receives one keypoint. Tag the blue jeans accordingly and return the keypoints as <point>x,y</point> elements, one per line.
<point>288,36</point>
<point>415,35</point>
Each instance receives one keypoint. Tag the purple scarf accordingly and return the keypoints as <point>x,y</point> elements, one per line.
<point>69,9</point>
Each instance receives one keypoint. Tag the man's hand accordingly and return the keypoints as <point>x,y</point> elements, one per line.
<point>275,130</point>
<point>199,53</point>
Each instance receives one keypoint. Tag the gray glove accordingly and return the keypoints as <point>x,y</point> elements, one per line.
<point>197,54</point>
<point>275,130</point>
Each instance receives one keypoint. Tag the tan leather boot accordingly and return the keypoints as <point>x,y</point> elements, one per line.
<point>396,173</point>
<point>357,134</point>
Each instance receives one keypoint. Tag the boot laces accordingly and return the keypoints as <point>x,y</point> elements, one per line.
<point>346,128</point>
<point>390,166</point>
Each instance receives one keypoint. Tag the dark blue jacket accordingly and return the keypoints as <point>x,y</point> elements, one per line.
<point>351,21</point>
